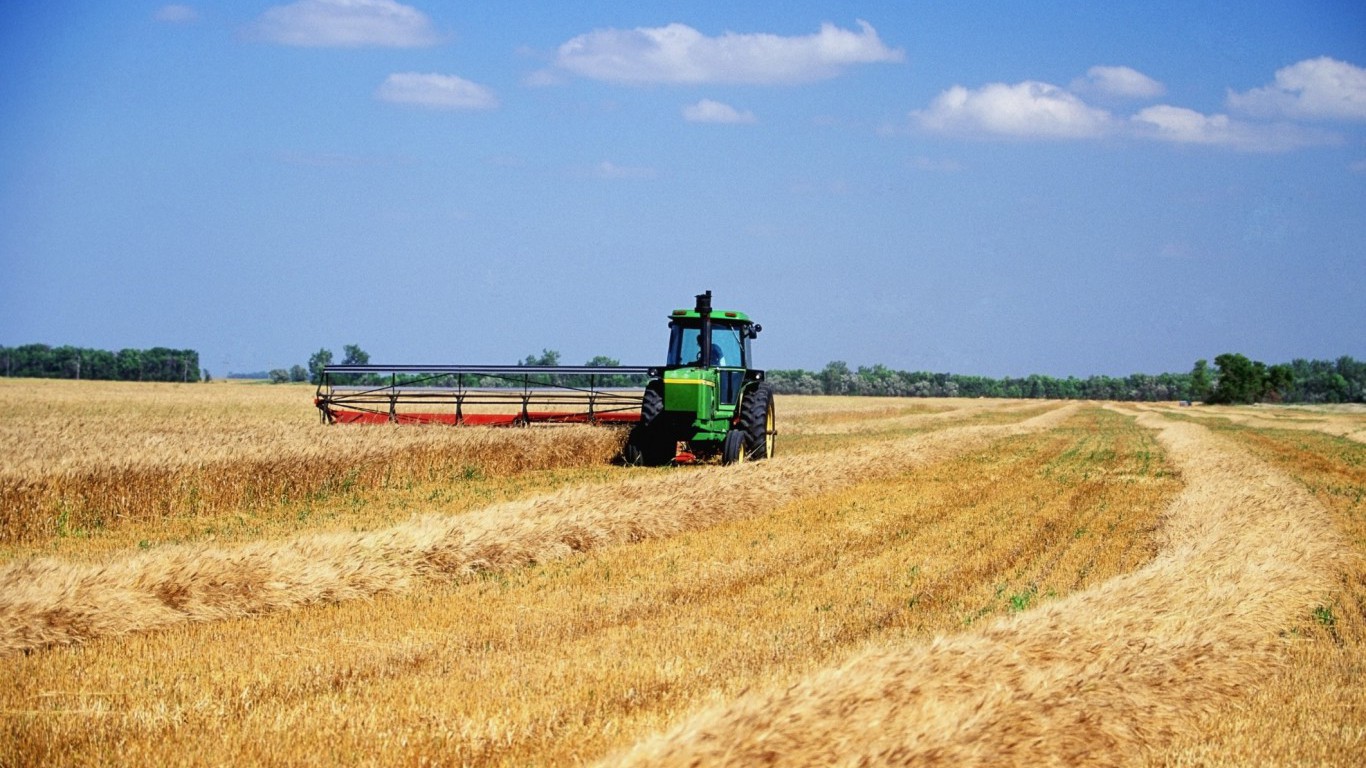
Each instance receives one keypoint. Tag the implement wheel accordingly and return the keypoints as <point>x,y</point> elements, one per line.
<point>757,421</point>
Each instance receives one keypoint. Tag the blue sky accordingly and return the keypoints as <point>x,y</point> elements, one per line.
<point>1068,188</point>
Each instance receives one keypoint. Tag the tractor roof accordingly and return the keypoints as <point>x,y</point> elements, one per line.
<point>717,316</point>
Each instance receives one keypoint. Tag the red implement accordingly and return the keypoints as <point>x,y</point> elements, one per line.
<point>483,419</point>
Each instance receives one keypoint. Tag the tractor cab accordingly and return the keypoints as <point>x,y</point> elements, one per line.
<point>729,341</point>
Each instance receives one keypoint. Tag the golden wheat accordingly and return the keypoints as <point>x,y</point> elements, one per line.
<point>1312,710</point>
<point>1347,420</point>
<point>894,560</point>
<point>869,419</point>
<point>561,662</point>
<point>1089,679</point>
<point>107,455</point>
<point>45,601</point>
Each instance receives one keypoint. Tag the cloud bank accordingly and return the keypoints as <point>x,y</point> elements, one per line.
<point>679,54</point>
<point>1317,89</point>
<point>345,24</point>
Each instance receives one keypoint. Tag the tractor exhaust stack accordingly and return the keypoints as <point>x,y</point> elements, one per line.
<point>704,339</point>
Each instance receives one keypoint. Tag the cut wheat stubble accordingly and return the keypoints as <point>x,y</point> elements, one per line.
<point>47,602</point>
<point>1094,678</point>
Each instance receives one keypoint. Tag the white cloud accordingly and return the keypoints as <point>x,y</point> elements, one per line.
<point>346,24</point>
<point>708,111</point>
<point>1186,126</point>
<point>435,91</point>
<point>1027,110</point>
<point>1035,110</point>
<point>176,14</point>
<point>678,53</point>
<point>1118,81</point>
<point>1357,167</point>
<point>1321,88</point>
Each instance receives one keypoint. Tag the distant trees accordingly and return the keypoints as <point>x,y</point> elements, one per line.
<point>316,363</point>
<point>1200,381</point>
<point>66,362</point>
<point>1239,380</point>
<point>547,357</point>
<point>1234,378</point>
<point>615,380</point>
<point>1326,381</point>
<point>838,379</point>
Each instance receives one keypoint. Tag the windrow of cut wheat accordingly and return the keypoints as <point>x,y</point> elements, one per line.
<point>47,601</point>
<point>1341,420</point>
<point>1095,678</point>
<point>1313,711</point>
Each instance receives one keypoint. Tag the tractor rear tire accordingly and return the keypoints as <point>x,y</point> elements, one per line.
<point>757,421</point>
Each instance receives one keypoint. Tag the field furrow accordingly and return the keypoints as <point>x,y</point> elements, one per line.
<point>1095,678</point>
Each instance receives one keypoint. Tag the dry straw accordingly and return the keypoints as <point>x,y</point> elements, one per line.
<point>264,467</point>
<point>47,602</point>
<point>1090,679</point>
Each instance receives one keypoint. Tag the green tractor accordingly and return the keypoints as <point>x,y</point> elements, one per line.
<point>706,401</point>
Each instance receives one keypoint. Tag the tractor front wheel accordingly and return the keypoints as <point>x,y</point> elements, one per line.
<point>734,449</point>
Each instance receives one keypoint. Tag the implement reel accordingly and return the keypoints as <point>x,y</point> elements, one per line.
<point>460,394</point>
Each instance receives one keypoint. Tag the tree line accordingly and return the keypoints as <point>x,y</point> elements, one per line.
<point>41,361</point>
<point>1233,379</point>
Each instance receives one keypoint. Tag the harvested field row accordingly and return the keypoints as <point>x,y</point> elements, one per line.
<point>562,663</point>
<point>1095,678</point>
<point>1347,421</point>
<point>46,602</point>
<point>871,420</point>
<point>1311,711</point>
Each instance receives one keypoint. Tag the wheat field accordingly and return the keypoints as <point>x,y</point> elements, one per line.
<point>204,574</point>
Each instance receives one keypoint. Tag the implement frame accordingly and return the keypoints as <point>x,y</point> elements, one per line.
<point>443,394</point>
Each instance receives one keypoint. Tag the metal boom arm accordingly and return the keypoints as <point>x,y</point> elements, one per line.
<point>478,394</point>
